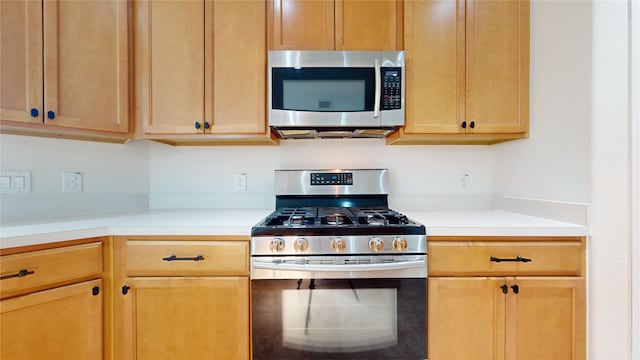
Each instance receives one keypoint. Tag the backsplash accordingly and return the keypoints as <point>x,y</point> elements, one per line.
<point>420,176</point>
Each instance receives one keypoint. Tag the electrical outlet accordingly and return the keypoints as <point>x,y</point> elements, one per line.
<point>71,181</point>
<point>465,181</point>
<point>240,182</point>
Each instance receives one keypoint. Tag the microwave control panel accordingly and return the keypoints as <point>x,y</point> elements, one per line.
<point>391,88</point>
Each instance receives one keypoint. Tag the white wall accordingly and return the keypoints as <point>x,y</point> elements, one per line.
<point>579,148</point>
<point>426,177</point>
<point>610,244</point>
<point>115,177</point>
<point>553,164</point>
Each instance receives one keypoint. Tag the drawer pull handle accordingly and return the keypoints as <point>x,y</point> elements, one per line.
<point>175,258</point>
<point>21,273</point>
<point>517,259</point>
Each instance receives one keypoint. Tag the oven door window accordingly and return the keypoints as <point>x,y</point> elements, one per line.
<point>323,89</point>
<point>339,319</point>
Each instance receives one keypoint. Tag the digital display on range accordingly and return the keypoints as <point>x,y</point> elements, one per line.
<point>332,178</point>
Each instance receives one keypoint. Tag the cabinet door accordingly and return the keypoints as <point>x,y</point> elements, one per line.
<point>191,318</point>
<point>466,318</point>
<point>367,25</point>
<point>86,64</point>
<point>238,87</point>
<point>62,323</point>
<point>546,319</point>
<point>434,43</point>
<point>497,66</point>
<point>301,25</point>
<point>169,63</point>
<point>21,61</point>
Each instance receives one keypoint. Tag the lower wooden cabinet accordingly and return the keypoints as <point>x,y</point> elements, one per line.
<point>191,318</point>
<point>181,299</point>
<point>505,298</point>
<point>473,318</point>
<point>61,323</point>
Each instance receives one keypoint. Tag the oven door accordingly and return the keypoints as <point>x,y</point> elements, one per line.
<point>323,314</point>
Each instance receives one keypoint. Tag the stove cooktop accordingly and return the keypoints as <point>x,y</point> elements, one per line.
<point>326,221</point>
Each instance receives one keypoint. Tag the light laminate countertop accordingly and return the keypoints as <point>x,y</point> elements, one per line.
<point>239,222</point>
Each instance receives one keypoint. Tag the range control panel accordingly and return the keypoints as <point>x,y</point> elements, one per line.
<point>391,88</point>
<point>345,178</point>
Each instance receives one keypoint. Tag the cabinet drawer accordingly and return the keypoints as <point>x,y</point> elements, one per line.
<point>475,258</point>
<point>49,267</point>
<point>176,258</point>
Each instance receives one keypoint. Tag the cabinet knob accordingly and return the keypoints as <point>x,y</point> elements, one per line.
<point>51,115</point>
<point>464,125</point>
<point>206,124</point>
<point>505,288</point>
<point>35,112</point>
<point>197,125</point>
<point>515,288</point>
<point>95,291</point>
<point>472,124</point>
<point>125,289</point>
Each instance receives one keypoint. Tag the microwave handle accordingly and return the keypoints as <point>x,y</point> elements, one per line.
<point>376,103</point>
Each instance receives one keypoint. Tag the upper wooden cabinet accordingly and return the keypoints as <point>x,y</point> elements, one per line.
<point>200,70</point>
<point>339,25</point>
<point>64,68</point>
<point>467,66</point>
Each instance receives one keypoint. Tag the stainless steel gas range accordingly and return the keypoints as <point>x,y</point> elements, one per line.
<point>335,273</point>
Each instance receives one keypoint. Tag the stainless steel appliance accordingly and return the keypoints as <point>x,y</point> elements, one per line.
<point>335,273</point>
<point>336,93</point>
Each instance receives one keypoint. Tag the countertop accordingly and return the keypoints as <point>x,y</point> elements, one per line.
<point>239,222</point>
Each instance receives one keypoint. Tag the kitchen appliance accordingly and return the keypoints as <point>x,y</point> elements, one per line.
<point>335,273</point>
<point>336,93</point>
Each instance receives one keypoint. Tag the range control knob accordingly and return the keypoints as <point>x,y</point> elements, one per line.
<point>338,244</point>
<point>301,244</point>
<point>276,245</point>
<point>376,244</point>
<point>400,243</point>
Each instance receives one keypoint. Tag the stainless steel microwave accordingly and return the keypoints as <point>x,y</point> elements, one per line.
<point>336,93</point>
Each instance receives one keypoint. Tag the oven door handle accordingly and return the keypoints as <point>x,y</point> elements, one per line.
<point>339,268</point>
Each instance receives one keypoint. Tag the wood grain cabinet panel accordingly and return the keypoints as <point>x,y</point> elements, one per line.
<point>21,72</point>
<point>538,258</point>
<point>154,258</point>
<point>49,267</point>
<point>61,323</point>
<point>467,71</point>
<point>302,25</point>
<point>200,71</point>
<point>475,314</point>
<point>194,318</point>
<point>335,25</point>
<point>65,68</point>
<point>194,306</point>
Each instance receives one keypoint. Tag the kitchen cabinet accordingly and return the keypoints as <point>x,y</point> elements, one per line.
<point>335,25</point>
<point>467,72</point>
<point>526,303</point>
<point>64,69</point>
<point>182,297</point>
<point>51,303</point>
<point>200,71</point>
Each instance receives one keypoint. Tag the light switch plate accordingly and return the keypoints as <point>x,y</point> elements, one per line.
<point>15,182</point>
